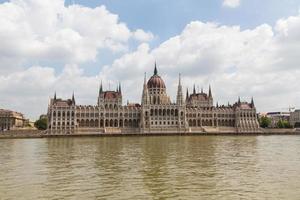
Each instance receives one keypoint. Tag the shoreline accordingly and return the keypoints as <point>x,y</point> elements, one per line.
<point>35,134</point>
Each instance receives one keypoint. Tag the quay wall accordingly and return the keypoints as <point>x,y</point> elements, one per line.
<point>135,132</point>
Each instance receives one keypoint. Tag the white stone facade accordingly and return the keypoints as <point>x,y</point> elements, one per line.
<point>156,113</point>
<point>295,119</point>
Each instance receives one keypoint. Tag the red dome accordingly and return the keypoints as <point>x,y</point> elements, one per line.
<point>156,82</point>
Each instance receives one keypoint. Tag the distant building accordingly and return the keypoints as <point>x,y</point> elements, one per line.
<point>276,116</point>
<point>11,120</point>
<point>295,119</point>
<point>156,113</point>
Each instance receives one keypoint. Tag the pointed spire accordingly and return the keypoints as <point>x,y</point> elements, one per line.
<point>120,90</point>
<point>55,95</point>
<point>117,89</point>
<point>217,104</point>
<point>155,69</point>
<point>145,96</point>
<point>239,100</point>
<point>100,88</point>
<point>209,92</point>
<point>194,90</point>
<point>202,90</point>
<point>187,93</point>
<point>73,98</point>
<point>179,98</point>
<point>252,102</point>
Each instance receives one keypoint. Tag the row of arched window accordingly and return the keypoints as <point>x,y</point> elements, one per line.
<point>108,123</point>
<point>164,112</point>
<point>63,113</point>
<point>198,123</point>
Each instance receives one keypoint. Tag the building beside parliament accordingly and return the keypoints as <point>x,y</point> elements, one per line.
<point>194,113</point>
<point>10,120</point>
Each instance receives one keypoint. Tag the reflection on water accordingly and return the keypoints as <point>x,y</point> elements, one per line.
<point>169,167</point>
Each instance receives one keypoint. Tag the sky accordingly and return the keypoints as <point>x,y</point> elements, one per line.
<point>246,48</point>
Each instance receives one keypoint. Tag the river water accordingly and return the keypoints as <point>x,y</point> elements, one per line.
<point>158,167</point>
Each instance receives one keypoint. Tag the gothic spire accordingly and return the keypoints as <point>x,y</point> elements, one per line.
<point>209,92</point>
<point>202,90</point>
<point>179,92</point>
<point>55,95</point>
<point>145,96</point>
<point>179,80</point>
<point>73,98</point>
<point>194,90</point>
<point>187,93</point>
<point>101,88</point>
<point>120,90</point>
<point>239,100</point>
<point>155,69</point>
<point>252,102</point>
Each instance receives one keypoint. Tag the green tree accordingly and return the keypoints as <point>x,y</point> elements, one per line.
<point>283,124</point>
<point>41,124</point>
<point>264,122</point>
<point>280,124</point>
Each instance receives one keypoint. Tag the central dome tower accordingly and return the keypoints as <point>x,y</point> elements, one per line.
<point>156,82</point>
<point>157,89</point>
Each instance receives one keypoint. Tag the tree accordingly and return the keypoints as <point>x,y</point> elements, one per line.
<point>280,124</point>
<point>264,122</point>
<point>41,124</point>
<point>283,124</point>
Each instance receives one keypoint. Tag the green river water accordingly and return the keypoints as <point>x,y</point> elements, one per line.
<point>153,167</point>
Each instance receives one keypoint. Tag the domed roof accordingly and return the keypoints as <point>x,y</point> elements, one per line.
<point>156,81</point>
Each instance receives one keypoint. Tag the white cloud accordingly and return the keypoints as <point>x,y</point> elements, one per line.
<point>231,3</point>
<point>29,90</point>
<point>262,62</point>
<point>143,36</point>
<point>49,31</point>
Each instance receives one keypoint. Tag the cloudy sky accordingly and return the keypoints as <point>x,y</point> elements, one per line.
<point>241,47</point>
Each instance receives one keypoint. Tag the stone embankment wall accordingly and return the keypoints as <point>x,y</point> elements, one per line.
<point>279,131</point>
<point>43,134</point>
<point>22,133</point>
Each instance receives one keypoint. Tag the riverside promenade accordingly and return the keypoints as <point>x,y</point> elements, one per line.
<point>18,134</point>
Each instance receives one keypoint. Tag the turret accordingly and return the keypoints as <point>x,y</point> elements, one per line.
<point>100,88</point>
<point>194,90</point>
<point>187,94</point>
<point>179,92</point>
<point>73,99</point>
<point>120,90</point>
<point>209,92</point>
<point>145,96</point>
<point>252,103</point>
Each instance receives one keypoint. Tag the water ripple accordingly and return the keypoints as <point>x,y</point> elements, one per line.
<point>208,167</point>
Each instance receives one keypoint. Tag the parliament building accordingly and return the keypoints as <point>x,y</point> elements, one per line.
<point>157,114</point>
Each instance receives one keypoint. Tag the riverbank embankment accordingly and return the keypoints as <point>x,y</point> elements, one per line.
<point>14,134</point>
